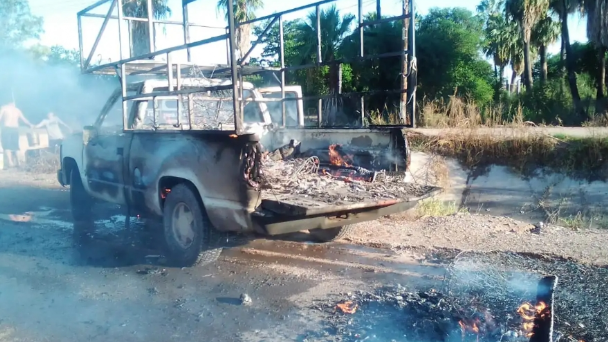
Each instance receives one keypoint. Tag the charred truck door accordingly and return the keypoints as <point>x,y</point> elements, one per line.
<point>103,154</point>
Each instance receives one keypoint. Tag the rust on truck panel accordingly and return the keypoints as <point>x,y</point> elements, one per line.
<point>210,162</point>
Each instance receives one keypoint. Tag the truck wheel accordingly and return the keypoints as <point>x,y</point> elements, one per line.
<point>331,234</point>
<point>187,229</point>
<point>82,205</point>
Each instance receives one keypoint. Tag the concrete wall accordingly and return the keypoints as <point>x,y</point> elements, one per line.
<point>498,190</point>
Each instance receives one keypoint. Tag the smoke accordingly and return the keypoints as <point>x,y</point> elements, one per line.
<point>38,87</point>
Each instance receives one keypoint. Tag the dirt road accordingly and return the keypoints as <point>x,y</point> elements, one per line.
<point>116,287</point>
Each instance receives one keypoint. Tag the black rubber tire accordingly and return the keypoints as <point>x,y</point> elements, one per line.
<point>201,251</point>
<point>82,208</point>
<point>331,234</point>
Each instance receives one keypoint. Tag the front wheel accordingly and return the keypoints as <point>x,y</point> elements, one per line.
<point>187,229</point>
<point>331,234</point>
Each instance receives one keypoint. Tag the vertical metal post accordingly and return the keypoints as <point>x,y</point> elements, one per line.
<point>319,59</point>
<point>129,26</point>
<point>178,76</point>
<point>378,10</point>
<point>361,54</point>
<point>119,9</point>
<point>186,24</point>
<point>169,71</point>
<point>404,59</point>
<point>228,47</point>
<point>282,58</point>
<point>80,44</point>
<point>411,49</point>
<point>123,85</point>
<point>151,25</point>
<point>234,69</point>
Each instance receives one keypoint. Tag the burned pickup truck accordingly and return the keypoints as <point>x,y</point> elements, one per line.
<point>178,161</point>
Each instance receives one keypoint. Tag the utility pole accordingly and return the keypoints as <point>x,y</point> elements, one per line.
<point>404,61</point>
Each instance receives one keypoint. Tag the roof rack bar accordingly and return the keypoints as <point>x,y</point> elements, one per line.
<point>93,6</point>
<point>160,52</point>
<point>100,34</point>
<point>156,21</point>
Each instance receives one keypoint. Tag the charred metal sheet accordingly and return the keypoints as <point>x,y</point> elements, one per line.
<point>543,320</point>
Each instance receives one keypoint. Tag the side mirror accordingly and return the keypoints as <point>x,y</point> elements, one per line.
<point>88,133</point>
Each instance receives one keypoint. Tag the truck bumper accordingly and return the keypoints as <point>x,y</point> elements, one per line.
<point>61,177</point>
<point>277,225</point>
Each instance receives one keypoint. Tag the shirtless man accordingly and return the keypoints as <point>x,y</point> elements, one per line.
<point>9,130</point>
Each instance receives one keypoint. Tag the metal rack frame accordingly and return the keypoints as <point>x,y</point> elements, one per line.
<point>234,69</point>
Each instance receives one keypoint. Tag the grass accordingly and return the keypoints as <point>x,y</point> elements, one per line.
<point>435,207</point>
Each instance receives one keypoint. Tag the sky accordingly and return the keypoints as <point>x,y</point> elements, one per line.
<point>60,24</point>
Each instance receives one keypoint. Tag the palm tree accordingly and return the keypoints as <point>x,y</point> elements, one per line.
<point>244,10</point>
<point>545,32</point>
<point>527,13</point>
<point>598,36</point>
<point>563,8</point>
<point>334,29</point>
<point>501,36</point>
<point>516,51</point>
<point>139,30</point>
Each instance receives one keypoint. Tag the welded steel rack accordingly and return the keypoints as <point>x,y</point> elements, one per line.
<point>146,64</point>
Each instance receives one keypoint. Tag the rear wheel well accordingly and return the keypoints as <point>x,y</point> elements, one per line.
<point>69,164</point>
<point>166,183</point>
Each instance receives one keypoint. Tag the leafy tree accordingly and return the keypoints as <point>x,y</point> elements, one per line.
<point>544,33</point>
<point>598,36</point>
<point>18,23</point>
<point>448,43</point>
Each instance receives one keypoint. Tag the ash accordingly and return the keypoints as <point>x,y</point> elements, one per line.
<point>304,177</point>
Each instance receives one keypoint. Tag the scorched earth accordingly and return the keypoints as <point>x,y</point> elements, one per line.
<point>456,278</point>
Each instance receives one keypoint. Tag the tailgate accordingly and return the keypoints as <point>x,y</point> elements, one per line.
<point>293,205</point>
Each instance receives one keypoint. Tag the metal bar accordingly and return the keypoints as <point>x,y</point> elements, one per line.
<point>154,105</point>
<point>385,20</point>
<point>129,26</point>
<point>297,9</point>
<point>362,110</point>
<point>282,58</point>
<point>93,6</point>
<point>404,43</point>
<point>412,82</point>
<point>169,72</point>
<point>99,35</point>
<point>347,60</point>
<point>234,69</point>
<point>258,40</point>
<point>378,10</point>
<point>178,76</point>
<point>319,58</point>
<point>227,48</point>
<point>190,110</point>
<point>150,26</point>
<point>189,90</point>
<point>160,52</point>
<point>308,98</point>
<point>360,5</point>
<point>186,24</point>
<point>120,14</point>
<point>156,21</point>
<point>80,43</point>
<point>320,109</point>
<point>123,86</point>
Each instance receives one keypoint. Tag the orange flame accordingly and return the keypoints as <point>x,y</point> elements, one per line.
<point>335,158</point>
<point>348,307</point>
<point>528,312</point>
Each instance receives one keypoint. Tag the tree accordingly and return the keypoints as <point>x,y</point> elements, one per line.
<point>244,10</point>
<point>598,36</point>
<point>527,13</point>
<point>18,23</point>
<point>139,30</point>
<point>545,32</point>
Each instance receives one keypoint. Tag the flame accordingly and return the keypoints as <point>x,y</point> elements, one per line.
<point>528,312</point>
<point>335,158</point>
<point>474,328</point>
<point>233,136</point>
<point>347,307</point>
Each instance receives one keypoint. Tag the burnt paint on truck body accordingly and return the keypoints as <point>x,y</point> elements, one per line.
<point>209,162</point>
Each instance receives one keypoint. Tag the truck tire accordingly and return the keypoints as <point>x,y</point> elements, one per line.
<point>81,204</point>
<point>187,229</point>
<point>331,234</point>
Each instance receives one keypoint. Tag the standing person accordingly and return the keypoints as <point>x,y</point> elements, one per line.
<point>52,123</point>
<point>10,116</point>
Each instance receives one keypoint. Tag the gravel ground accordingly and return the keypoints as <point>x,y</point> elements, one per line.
<point>485,233</point>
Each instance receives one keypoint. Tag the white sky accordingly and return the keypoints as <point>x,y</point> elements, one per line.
<point>60,24</point>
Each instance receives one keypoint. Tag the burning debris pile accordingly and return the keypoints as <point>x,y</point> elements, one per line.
<point>332,176</point>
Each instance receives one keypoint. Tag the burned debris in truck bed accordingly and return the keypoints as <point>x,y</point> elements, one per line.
<point>336,175</point>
